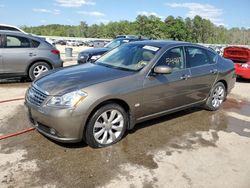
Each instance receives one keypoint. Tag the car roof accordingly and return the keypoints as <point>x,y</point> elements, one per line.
<point>6,25</point>
<point>159,43</point>
<point>5,32</point>
<point>11,32</point>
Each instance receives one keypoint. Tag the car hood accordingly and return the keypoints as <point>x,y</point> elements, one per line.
<point>94,51</point>
<point>61,81</point>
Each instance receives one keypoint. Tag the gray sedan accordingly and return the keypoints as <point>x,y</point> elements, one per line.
<point>23,55</point>
<point>97,102</point>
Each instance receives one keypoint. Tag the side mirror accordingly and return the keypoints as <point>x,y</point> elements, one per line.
<point>162,69</point>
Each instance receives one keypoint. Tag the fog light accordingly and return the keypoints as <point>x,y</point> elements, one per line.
<point>52,131</point>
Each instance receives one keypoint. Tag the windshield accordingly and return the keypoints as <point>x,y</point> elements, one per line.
<point>113,44</point>
<point>131,57</point>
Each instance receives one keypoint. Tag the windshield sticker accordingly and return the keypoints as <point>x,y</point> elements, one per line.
<point>151,48</point>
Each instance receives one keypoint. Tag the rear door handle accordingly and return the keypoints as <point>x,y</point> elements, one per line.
<point>31,54</point>
<point>185,77</point>
<point>214,71</point>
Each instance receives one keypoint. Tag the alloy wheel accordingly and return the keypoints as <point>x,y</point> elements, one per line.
<point>39,69</point>
<point>218,96</point>
<point>108,127</point>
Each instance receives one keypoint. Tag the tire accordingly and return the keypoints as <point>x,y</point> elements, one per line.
<point>99,128</point>
<point>216,97</point>
<point>37,69</point>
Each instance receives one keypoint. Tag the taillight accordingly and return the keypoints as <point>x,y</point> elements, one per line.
<point>56,52</point>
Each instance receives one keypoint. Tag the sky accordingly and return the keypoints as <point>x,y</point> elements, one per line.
<point>229,13</point>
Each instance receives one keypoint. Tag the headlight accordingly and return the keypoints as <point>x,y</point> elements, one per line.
<point>95,57</point>
<point>82,56</point>
<point>68,100</point>
<point>247,66</point>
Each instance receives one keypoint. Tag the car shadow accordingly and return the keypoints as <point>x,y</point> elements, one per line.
<point>243,80</point>
<point>81,144</point>
<point>14,80</point>
<point>159,120</point>
<point>139,126</point>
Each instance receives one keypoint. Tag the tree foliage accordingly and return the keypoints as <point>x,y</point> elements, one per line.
<point>197,30</point>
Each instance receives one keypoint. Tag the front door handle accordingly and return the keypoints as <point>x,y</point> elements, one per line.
<point>214,71</point>
<point>185,77</point>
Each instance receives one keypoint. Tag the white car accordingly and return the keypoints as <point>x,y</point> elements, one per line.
<point>72,43</point>
<point>5,27</point>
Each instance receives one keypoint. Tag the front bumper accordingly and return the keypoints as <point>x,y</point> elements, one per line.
<point>58,124</point>
<point>82,61</point>
<point>58,64</point>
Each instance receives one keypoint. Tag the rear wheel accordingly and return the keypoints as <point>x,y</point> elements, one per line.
<point>106,126</point>
<point>216,97</point>
<point>37,69</point>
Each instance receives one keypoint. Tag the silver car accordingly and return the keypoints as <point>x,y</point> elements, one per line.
<point>23,55</point>
<point>138,81</point>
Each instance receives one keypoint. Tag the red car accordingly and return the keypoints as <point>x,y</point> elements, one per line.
<point>241,58</point>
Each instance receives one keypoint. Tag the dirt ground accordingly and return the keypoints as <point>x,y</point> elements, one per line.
<point>192,148</point>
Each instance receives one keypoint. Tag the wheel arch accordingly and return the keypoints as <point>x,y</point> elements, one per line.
<point>120,102</point>
<point>224,83</point>
<point>38,60</point>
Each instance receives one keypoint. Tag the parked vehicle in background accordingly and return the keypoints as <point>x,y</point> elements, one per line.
<point>5,27</point>
<point>132,83</point>
<point>89,43</point>
<point>24,55</point>
<point>81,43</point>
<point>95,53</point>
<point>98,43</point>
<point>217,49</point>
<point>72,43</point>
<point>241,58</point>
<point>61,42</point>
<point>126,36</point>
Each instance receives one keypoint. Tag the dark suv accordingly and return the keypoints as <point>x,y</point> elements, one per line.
<point>23,55</point>
<point>94,53</point>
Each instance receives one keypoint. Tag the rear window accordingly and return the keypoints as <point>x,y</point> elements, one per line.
<point>35,43</point>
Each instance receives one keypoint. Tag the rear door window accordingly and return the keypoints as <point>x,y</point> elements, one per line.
<point>197,57</point>
<point>17,42</point>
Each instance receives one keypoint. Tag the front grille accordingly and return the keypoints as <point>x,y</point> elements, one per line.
<point>36,96</point>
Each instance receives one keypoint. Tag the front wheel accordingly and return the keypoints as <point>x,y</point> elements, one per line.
<point>106,126</point>
<point>216,97</point>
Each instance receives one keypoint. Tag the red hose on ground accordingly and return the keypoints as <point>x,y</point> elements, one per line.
<point>11,100</point>
<point>17,133</point>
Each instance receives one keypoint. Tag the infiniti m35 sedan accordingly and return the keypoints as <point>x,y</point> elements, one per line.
<point>97,102</point>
